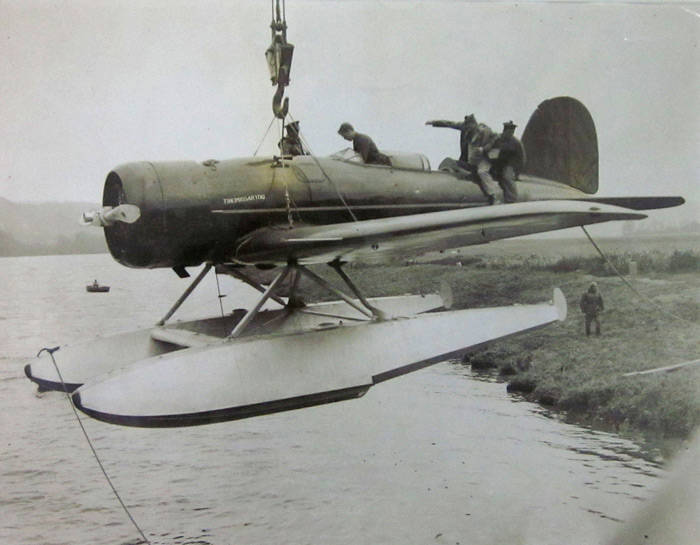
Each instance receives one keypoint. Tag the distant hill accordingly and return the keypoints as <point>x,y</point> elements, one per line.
<point>46,229</point>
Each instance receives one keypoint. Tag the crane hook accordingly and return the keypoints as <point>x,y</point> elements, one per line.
<point>280,108</point>
<point>279,60</point>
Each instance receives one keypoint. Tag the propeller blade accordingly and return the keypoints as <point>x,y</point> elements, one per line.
<point>126,213</point>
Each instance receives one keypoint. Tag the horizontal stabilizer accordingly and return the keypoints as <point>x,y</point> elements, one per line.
<point>639,203</point>
<point>258,375</point>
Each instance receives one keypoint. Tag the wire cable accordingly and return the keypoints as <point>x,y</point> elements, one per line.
<point>87,437</point>
<point>630,286</point>
<point>264,136</point>
<point>318,164</point>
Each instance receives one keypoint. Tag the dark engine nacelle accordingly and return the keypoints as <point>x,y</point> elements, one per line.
<point>176,227</point>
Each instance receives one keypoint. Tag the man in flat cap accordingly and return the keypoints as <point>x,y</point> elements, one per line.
<point>475,142</point>
<point>508,158</point>
<point>363,145</point>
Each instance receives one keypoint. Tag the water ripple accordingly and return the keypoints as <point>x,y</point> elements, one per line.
<point>436,452</point>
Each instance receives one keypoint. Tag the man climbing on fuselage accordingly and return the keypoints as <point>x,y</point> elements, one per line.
<point>475,142</point>
<point>363,145</point>
<point>508,158</point>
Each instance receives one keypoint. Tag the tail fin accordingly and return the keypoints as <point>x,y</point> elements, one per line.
<point>561,144</point>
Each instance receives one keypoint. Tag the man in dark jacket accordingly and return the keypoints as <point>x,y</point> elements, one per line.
<point>508,160</point>
<point>591,305</point>
<point>475,142</point>
<point>363,145</point>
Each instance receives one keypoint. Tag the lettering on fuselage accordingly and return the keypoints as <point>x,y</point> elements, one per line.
<point>244,198</point>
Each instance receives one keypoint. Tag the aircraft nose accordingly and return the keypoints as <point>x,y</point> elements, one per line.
<point>28,371</point>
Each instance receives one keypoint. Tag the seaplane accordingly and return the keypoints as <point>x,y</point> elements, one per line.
<point>288,213</point>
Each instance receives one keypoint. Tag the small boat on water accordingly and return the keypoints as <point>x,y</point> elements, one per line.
<point>95,287</point>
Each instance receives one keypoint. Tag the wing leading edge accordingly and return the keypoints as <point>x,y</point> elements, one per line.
<point>379,240</point>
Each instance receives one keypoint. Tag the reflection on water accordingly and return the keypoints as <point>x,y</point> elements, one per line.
<point>438,456</point>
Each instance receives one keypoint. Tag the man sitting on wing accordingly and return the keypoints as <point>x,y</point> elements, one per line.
<point>363,145</point>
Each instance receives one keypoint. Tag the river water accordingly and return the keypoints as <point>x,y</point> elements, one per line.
<point>438,456</point>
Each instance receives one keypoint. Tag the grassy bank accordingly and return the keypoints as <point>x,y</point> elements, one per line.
<point>558,365</point>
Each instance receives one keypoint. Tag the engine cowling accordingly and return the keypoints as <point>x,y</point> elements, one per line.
<point>176,227</point>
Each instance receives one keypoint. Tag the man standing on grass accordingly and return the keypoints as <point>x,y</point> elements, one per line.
<point>591,305</point>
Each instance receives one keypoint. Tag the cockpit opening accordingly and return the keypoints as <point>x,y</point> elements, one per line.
<point>399,160</point>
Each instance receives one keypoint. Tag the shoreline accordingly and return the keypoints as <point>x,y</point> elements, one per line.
<point>581,378</point>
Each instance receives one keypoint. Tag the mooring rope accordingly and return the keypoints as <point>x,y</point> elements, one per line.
<point>630,286</point>
<point>87,437</point>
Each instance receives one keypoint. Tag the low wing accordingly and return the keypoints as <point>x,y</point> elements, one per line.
<point>379,240</point>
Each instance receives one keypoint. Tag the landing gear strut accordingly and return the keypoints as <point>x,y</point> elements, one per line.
<point>293,302</point>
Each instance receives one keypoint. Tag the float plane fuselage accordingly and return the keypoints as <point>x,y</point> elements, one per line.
<point>270,211</point>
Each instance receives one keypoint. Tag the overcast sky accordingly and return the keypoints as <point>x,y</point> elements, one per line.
<point>86,85</point>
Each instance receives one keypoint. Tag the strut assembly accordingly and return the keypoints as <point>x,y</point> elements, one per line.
<point>293,302</point>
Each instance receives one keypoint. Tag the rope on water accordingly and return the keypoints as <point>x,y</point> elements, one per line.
<point>630,286</point>
<point>665,369</point>
<point>87,437</point>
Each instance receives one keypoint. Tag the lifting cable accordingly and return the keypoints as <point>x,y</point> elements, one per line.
<point>279,59</point>
<point>87,437</point>
<point>325,175</point>
<point>288,201</point>
<point>264,136</point>
<point>630,286</point>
